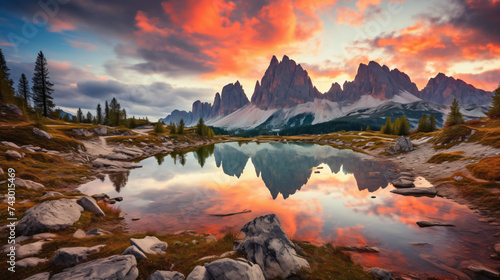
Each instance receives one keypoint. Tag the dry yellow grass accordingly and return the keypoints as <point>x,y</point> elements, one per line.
<point>442,157</point>
<point>487,168</point>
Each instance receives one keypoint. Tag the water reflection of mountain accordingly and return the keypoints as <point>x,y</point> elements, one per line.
<point>285,168</point>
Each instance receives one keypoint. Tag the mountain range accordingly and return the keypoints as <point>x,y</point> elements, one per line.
<point>286,98</point>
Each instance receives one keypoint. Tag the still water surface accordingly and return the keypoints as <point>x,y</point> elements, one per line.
<point>319,193</point>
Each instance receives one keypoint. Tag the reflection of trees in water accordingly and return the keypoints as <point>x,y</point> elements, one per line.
<point>119,180</point>
<point>178,156</point>
<point>201,154</point>
<point>160,158</point>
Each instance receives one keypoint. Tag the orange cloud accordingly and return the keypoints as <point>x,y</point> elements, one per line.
<point>59,25</point>
<point>148,25</point>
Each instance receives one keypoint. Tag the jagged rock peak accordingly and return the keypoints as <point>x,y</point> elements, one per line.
<point>285,84</point>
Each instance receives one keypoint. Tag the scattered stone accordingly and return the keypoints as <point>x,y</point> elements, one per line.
<point>458,178</point>
<point>24,251</point>
<point>150,245</point>
<point>42,133</point>
<point>416,191</point>
<point>166,275</point>
<point>39,276</point>
<point>101,131</point>
<point>79,234</point>
<point>433,224</point>
<point>208,258</point>
<point>90,204</point>
<point>30,185</point>
<point>267,245</point>
<point>50,215</point>
<point>122,267</point>
<point>10,144</point>
<point>48,194</point>
<point>24,202</point>
<point>44,235</point>
<point>97,232</point>
<point>14,154</point>
<point>225,269</point>
<point>132,250</point>
<point>112,201</point>
<point>74,255</point>
<point>403,183</point>
<point>363,249</point>
<point>30,262</point>
<point>82,132</point>
<point>185,232</point>
<point>100,196</point>
<point>381,274</point>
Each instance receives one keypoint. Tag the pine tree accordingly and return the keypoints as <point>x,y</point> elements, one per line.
<point>180,128</point>
<point>106,113</point>
<point>368,128</point>
<point>23,90</point>
<point>455,116</point>
<point>200,127</point>
<point>79,115</point>
<point>159,127</point>
<point>99,114</point>
<point>173,129</point>
<point>132,123</point>
<point>6,83</point>
<point>42,87</point>
<point>396,127</point>
<point>404,128</point>
<point>494,111</point>
<point>422,125</point>
<point>89,117</point>
<point>432,123</point>
<point>123,115</point>
<point>387,128</point>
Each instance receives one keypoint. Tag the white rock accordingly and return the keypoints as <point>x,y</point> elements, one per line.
<point>132,250</point>
<point>50,215</point>
<point>74,255</point>
<point>210,239</point>
<point>381,274</point>
<point>150,245</point>
<point>45,235</point>
<point>10,144</point>
<point>114,267</point>
<point>42,133</point>
<point>30,185</point>
<point>79,234</point>
<point>30,262</point>
<point>14,154</point>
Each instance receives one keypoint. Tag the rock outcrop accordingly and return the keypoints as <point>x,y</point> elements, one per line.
<point>42,133</point>
<point>50,215</point>
<point>114,267</point>
<point>74,255</point>
<point>443,89</point>
<point>403,144</point>
<point>267,245</point>
<point>226,269</point>
<point>284,85</point>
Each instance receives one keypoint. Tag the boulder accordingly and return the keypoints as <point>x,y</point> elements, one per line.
<point>97,231</point>
<point>403,183</point>
<point>82,132</point>
<point>132,250</point>
<point>42,133</point>
<point>74,255</point>
<point>39,276</point>
<point>403,144</point>
<point>24,251</point>
<point>50,215</point>
<point>48,194</point>
<point>227,269</point>
<point>88,203</point>
<point>79,234</point>
<point>166,275</point>
<point>45,235</point>
<point>30,185</point>
<point>150,245</point>
<point>433,224</point>
<point>267,245</point>
<point>13,109</point>
<point>114,267</point>
<point>101,131</point>
<point>14,155</point>
<point>380,273</point>
<point>416,191</point>
<point>30,262</point>
<point>10,144</point>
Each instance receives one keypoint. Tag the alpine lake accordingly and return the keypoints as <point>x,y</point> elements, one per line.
<point>320,194</point>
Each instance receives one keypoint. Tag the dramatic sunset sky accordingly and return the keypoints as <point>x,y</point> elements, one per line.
<point>156,56</point>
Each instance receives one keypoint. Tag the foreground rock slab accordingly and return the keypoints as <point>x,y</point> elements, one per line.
<point>267,245</point>
<point>166,275</point>
<point>39,276</point>
<point>226,269</point>
<point>114,267</point>
<point>50,215</point>
<point>74,255</point>
<point>150,245</point>
<point>433,224</point>
<point>30,262</point>
<point>416,191</point>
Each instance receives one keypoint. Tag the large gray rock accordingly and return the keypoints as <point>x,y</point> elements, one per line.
<point>30,262</point>
<point>42,133</point>
<point>48,194</point>
<point>381,274</point>
<point>39,276</point>
<point>14,154</point>
<point>74,255</point>
<point>150,245</point>
<point>116,267</point>
<point>29,184</point>
<point>416,191</point>
<point>227,269</point>
<point>101,131</point>
<point>267,245</point>
<point>50,215</point>
<point>166,275</point>
<point>403,183</point>
<point>89,204</point>
<point>24,251</point>
<point>403,144</point>
<point>10,144</point>
<point>13,109</point>
<point>132,250</point>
